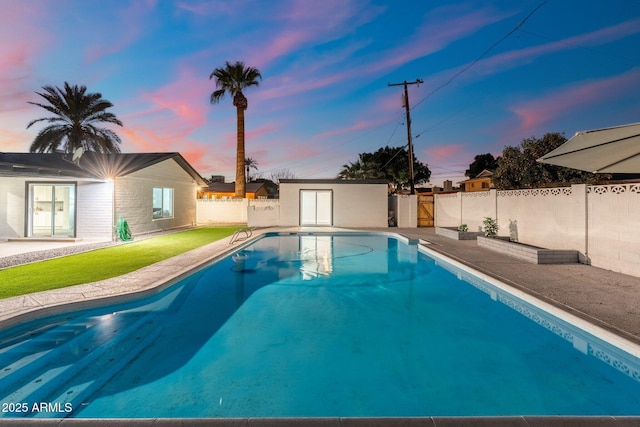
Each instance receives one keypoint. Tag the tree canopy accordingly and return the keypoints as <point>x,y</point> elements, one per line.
<point>518,168</point>
<point>73,124</point>
<point>390,163</point>
<point>480,163</point>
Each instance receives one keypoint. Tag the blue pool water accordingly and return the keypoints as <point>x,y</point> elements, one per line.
<point>313,326</point>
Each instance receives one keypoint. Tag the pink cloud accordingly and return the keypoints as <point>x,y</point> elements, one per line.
<point>209,8</point>
<point>24,39</point>
<point>127,22</point>
<point>167,118</point>
<point>252,134</point>
<point>176,109</point>
<point>305,23</point>
<point>441,28</point>
<point>14,140</point>
<point>515,58</point>
<point>441,154</point>
<point>358,126</point>
<point>537,113</point>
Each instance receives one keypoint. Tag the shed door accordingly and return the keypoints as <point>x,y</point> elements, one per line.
<point>316,207</point>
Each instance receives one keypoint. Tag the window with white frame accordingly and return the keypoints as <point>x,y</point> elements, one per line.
<point>162,203</point>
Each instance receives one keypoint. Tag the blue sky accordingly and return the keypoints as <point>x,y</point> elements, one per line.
<point>324,98</point>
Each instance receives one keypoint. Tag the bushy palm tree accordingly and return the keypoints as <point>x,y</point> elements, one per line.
<point>232,79</point>
<point>73,125</point>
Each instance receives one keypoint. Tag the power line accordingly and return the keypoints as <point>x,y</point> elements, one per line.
<point>466,68</point>
<point>506,36</point>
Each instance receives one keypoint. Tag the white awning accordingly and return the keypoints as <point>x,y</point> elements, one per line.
<point>609,150</point>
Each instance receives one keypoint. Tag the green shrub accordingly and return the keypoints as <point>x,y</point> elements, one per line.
<point>490,227</point>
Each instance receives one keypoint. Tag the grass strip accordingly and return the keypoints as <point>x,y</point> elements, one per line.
<point>104,263</point>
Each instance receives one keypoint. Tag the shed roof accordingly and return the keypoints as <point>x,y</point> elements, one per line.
<point>334,181</point>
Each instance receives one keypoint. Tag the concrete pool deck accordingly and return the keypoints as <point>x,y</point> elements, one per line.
<point>607,299</point>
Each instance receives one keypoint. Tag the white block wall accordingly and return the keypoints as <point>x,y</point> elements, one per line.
<point>447,210</point>
<point>263,213</point>
<point>221,211</point>
<point>614,227</point>
<point>553,218</point>
<point>476,206</point>
<point>407,215</point>
<point>601,222</point>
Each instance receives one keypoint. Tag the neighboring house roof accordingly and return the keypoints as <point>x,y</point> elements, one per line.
<point>230,187</point>
<point>486,173</point>
<point>89,165</point>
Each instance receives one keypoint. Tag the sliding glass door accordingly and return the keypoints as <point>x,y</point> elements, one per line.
<point>52,210</point>
<point>316,207</point>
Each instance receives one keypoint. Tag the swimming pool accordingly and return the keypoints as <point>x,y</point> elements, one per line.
<point>313,326</point>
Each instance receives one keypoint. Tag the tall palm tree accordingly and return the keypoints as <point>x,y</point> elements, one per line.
<point>73,125</point>
<point>232,79</point>
<point>250,163</point>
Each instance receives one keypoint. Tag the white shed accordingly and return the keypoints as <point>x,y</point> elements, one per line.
<point>329,202</point>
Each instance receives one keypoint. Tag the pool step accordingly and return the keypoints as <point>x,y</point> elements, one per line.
<point>38,341</point>
<point>81,388</point>
<point>10,342</point>
<point>20,360</point>
<point>43,378</point>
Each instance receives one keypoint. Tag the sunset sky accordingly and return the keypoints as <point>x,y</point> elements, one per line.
<point>324,98</point>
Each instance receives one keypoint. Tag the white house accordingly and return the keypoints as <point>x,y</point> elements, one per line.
<point>49,195</point>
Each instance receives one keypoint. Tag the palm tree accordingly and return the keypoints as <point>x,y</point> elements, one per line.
<point>351,171</point>
<point>250,163</point>
<point>232,79</point>
<point>73,125</point>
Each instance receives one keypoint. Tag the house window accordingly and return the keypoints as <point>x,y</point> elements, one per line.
<point>162,203</point>
<point>485,185</point>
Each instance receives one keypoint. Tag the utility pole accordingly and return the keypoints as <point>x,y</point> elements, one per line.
<point>407,109</point>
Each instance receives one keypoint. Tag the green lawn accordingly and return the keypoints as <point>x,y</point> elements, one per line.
<point>104,263</point>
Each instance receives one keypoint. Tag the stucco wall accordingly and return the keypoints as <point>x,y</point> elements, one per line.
<point>134,197</point>
<point>354,204</point>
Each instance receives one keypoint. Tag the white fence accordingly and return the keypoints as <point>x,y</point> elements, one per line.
<point>602,222</point>
<point>237,211</point>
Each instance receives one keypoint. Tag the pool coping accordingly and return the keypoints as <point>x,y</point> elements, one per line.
<point>156,277</point>
<point>509,421</point>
